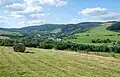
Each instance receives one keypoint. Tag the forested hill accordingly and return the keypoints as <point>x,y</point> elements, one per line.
<point>90,36</point>
<point>68,27</point>
<point>114,27</point>
<point>56,30</point>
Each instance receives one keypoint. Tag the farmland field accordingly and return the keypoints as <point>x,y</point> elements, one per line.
<point>53,63</point>
<point>4,37</point>
<point>99,32</point>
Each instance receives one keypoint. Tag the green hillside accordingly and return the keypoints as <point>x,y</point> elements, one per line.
<point>86,36</point>
<point>115,27</point>
<point>99,32</point>
<point>51,30</point>
<point>33,36</point>
<point>7,34</point>
<point>51,63</point>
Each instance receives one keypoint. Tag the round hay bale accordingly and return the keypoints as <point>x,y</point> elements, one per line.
<point>19,47</point>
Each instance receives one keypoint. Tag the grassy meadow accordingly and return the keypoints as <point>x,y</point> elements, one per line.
<point>53,63</point>
<point>99,32</point>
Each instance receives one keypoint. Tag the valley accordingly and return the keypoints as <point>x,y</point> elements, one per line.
<point>86,49</point>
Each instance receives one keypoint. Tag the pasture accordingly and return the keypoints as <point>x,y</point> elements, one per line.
<point>99,32</point>
<point>54,63</point>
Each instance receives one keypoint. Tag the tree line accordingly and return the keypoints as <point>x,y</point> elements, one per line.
<point>61,45</point>
<point>101,41</point>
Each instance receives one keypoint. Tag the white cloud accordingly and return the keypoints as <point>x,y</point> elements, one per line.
<point>36,15</point>
<point>36,22</point>
<point>101,14</point>
<point>6,11</point>
<point>31,23</point>
<point>79,20</point>
<point>27,11</point>
<point>32,2</point>
<point>3,18</point>
<point>30,10</point>
<point>3,23</point>
<point>85,19</point>
<point>61,3</point>
<point>111,16</point>
<point>22,10</point>
<point>16,7</point>
<point>75,21</point>
<point>0,17</point>
<point>8,2</point>
<point>94,11</point>
<point>46,2</point>
<point>16,16</point>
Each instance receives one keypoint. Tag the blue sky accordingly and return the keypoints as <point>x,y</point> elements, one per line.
<point>21,13</point>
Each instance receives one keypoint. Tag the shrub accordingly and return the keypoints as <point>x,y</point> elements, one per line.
<point>19,47</point>
<point>46,45</point>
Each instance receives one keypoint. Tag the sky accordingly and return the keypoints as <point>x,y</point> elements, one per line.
<point>22,13</point>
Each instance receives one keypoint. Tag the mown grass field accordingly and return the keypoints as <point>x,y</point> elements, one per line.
<point>51,63</point>
<point>4,37</point>
<point>99,32</point>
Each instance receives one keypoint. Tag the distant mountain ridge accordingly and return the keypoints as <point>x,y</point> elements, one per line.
<point>65,29</point>
<point>55,30</point>
<point>80,32</point>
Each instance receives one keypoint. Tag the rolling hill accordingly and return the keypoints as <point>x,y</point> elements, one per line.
<point>36,62</point>
<point>114,27</point>
<point>99,32</point>
<point>83,33</point>
<point>55,30</point>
